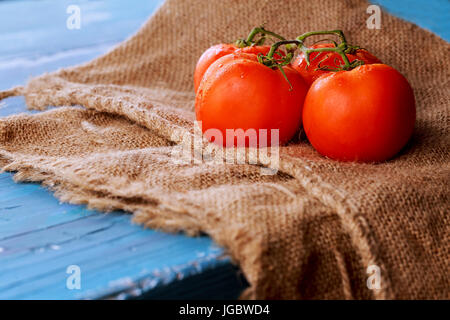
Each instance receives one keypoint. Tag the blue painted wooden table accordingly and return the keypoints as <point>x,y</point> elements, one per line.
<point>40,237</point>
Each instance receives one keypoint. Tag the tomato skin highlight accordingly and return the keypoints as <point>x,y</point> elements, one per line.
<point>217,51</point>
<point>329,59</point>
<point>365,115</point>
<point>237,92</point>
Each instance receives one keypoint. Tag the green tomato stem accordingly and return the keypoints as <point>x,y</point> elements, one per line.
<point>241,43</point>
<point>342,49</point>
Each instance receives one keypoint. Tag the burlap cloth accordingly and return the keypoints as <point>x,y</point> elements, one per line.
<point>309,231</point>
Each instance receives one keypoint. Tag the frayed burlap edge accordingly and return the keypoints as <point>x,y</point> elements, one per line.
<point>167,215</point>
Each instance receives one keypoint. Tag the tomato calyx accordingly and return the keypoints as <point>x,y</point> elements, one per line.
<point>272,62</point>
<point>342,48</point>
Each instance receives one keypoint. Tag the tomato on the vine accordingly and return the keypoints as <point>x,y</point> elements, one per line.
<point>218,51</point>
<point>366,114</point>
<point>239,92</point>
<point>356,108</point>
<point>318,60</point>
<point>251,45</point>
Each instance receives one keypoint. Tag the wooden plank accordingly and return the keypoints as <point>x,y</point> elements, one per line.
<point>38,28</point>
<point>433,15</point>
<point>113,254</point>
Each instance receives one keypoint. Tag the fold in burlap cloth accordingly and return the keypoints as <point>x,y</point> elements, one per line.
<point>312,230</point>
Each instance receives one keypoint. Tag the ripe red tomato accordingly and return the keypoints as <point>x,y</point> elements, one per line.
<point>218,51</point>
<point>238,92</point>
<point>366,114</point>
<point>330,59</point>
